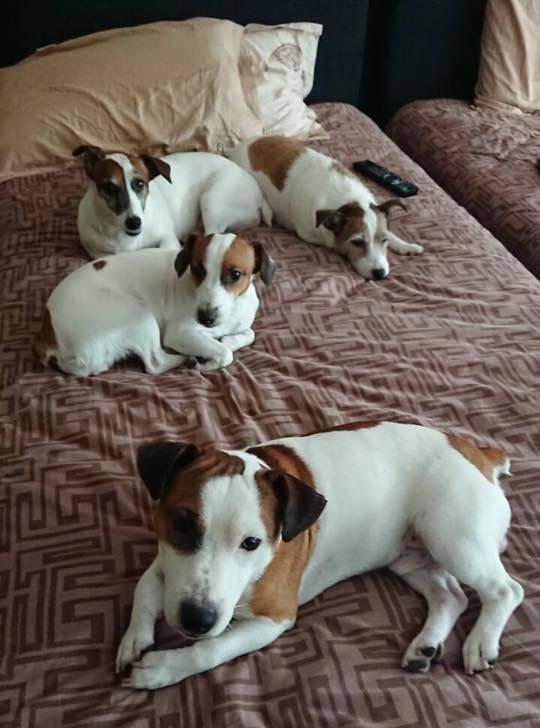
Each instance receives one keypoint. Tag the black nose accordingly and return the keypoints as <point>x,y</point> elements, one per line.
<point>378,274</point>
<point>207,316</point>
<point>133,223</point>
<point>197,618</point>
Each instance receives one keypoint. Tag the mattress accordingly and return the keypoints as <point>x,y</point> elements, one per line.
<point>450,340</point>
<point>488,161</point>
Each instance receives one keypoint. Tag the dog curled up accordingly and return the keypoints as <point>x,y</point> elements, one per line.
<point>140,201</point>
<point>249,535</point>
<point>200,302</point>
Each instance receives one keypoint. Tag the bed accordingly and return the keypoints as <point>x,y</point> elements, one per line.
<point>486,160</point>
<point>450,340</point>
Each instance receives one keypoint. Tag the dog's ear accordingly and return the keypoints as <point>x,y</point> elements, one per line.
<point>334,220</point>
<point>299,505</point>
<point>183,259</point>
<point>156,167</point>
<point>387,205</point>
<point>264,263</point>
<point>157,462</point>
<point>91,156</point>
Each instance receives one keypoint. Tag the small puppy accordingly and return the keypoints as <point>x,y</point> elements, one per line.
<point>239,536</point>
<point>323,202</point>
<point>135,202</point>
<point>200,302</point>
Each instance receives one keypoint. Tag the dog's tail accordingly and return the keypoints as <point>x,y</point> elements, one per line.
<point>267,213</point>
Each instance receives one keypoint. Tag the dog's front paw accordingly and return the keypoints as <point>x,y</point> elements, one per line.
<point>158,669</point>
<point>133,644</point>
<point>218,362</point>
<point>415,249</point>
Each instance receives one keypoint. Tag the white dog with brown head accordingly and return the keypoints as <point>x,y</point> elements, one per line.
<point>323,202</point>
<point>140,201</point>
<point>200,302</point>
<point>252,534</point>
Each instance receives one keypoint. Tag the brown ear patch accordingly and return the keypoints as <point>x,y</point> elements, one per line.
<point>45,341</point>
<point>275,594</point>
<point>486,459</point>
<point>239,257</point>
<point>193,254</point>
<point>274,155</point>
<point>344,222</point>
<point>182,498</point>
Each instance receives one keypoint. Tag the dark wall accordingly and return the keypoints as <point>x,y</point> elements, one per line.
<point>420,49</point>
<point>375,54</point>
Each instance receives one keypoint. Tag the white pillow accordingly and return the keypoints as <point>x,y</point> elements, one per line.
<point>277,66</point>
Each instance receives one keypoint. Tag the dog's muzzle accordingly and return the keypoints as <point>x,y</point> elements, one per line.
<point>133,225</point>
<point>197,619</point>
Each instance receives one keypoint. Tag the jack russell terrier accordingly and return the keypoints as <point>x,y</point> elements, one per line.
<point>135,202</point>
<point>248,535</point>
<point>323,202</point>
<point>200,302</point>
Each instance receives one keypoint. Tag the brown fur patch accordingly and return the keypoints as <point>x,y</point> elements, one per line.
<point>45,340</point>
<point>106,170</point>
<point>350,426</point>
<point>240,256</point>
<point>274,155</point>
<point>141,168</point>
<point>275,594</point>
<point>99,264</point>
<point>184,493</point>
<point>486,459</point>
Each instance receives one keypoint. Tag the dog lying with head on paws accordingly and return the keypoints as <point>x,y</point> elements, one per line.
<point>134,202</point>
<point>200,302</point>
<point>323,202</point>
<point>249,535</point>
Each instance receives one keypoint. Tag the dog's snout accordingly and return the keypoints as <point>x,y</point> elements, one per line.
<point>197,619</point>
<point>133,224</point>
<point>378,274</point>
<point>207,316</point>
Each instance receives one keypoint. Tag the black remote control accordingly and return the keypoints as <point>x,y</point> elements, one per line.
<point>386,178</point>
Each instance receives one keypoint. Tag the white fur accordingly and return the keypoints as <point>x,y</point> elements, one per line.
<point>312,184</point>
<point>136,301</point>
<point>381,483</point>
<point>204,186</point>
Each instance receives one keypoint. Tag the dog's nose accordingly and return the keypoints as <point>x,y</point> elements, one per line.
<point>378,274</point>
<point>133,223</point>
<point>197,618</point>
<point>207,316</point>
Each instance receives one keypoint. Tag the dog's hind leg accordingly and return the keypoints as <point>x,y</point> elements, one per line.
<point>401,246</point>
<point>148,347</point>
<point>445,602</point>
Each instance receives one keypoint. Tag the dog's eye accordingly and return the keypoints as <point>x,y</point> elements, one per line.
<point>235,274</point>
<point>109,188</point>
<point>198,271</point>
<point>137,184</point>
<point>384,242</point>
<point>250,543</point>
<point>359,243</point>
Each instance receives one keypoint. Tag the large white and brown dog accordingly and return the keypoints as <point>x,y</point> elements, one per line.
<point>323,202</point>
<point>134,202</point>
<point>248,535</point>
<point>200,302</point>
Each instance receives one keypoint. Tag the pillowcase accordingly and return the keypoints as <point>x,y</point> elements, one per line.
<point>509,74</point>
<point>277,65</point>
<point>171,83</point>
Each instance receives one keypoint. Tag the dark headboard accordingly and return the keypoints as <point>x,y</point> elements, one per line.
<point>34,23</point>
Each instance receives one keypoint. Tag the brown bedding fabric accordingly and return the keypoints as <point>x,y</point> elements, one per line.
<point>486,160</point>
<point>451,340</point>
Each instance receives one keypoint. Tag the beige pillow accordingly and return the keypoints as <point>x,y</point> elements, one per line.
<point>509,75</point>
<point>277,64</point>
<point>175,83</point>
